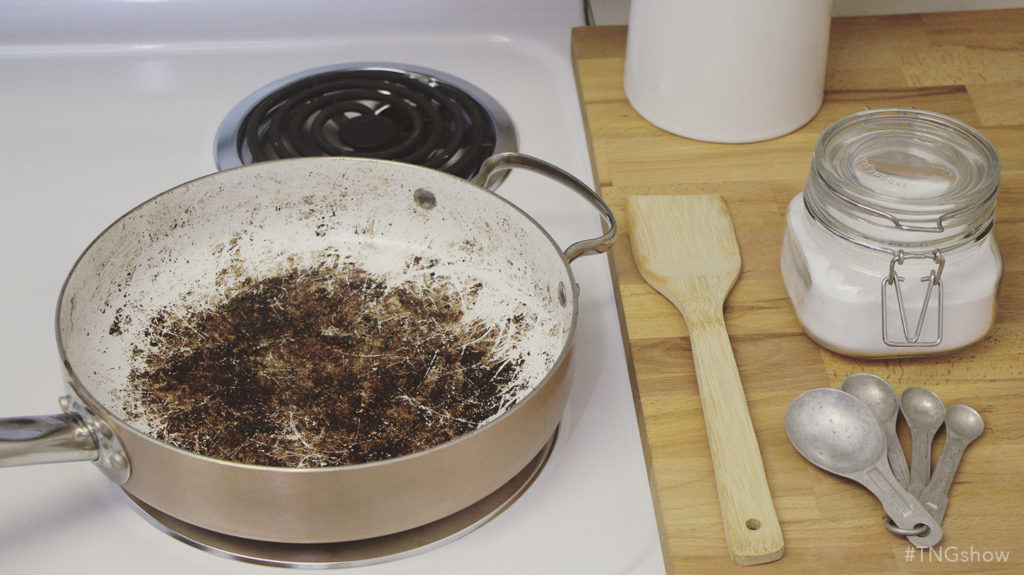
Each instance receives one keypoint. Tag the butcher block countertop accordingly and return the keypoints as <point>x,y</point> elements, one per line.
<point>966,65</point>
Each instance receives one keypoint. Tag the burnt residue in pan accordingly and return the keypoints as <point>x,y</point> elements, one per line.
<point>321,366</point>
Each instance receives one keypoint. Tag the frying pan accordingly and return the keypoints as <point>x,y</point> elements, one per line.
<point>187,246</point>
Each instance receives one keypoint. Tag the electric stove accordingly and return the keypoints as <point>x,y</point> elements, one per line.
<point>108,103</point>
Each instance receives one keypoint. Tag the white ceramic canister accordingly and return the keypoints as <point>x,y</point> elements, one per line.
<point>888,251</point>
<point>727,71</point>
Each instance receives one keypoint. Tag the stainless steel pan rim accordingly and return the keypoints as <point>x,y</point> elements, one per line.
<point>489,175</point>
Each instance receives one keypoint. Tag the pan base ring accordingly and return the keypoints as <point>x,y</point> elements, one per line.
<point>351,553</point>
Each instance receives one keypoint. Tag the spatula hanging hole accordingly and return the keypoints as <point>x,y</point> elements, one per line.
<point>753,524</point>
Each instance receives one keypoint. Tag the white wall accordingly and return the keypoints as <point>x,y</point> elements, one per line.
<point>611,12</point>
<point>865,7</point>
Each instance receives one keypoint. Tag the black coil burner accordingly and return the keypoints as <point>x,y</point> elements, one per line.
<point>416,116</point>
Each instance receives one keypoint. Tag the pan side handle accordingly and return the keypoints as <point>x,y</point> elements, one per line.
<point>498,163</point>
<point>45,439</point>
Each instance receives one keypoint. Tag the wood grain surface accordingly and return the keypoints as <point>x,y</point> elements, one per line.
<point>969,65</point>
<point>685,247</point>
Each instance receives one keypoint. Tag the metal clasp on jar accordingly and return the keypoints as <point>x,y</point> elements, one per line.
<point>892,283</point>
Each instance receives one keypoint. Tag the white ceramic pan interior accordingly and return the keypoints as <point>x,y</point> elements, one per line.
<point>192,246</point>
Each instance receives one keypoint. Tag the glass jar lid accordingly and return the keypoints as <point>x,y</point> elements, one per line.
<point>904,179</point>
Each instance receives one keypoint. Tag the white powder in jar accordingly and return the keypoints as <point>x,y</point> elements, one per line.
<point>836,289</point>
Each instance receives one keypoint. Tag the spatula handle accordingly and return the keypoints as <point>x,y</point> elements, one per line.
<point>752,529</point>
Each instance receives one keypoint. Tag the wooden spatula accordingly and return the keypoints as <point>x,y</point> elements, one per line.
<point>686,249</point>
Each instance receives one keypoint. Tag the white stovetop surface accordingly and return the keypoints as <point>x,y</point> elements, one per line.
<point>108,103</point>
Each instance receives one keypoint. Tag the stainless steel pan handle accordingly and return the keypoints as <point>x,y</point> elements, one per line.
<point>499,163</point>
<point>75,435</point>
<point>45,439</point>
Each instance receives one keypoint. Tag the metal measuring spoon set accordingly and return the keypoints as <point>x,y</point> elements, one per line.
<point>851,432</point>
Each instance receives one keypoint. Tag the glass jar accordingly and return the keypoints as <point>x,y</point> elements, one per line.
<point>888,251</point>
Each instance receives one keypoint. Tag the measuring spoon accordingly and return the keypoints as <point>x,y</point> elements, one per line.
<point>924,413</point>
<point>884,404</point>
<point>963,425</point>
<point>838,433</point>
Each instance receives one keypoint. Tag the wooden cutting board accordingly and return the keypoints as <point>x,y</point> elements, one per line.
<point>967,65</point>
